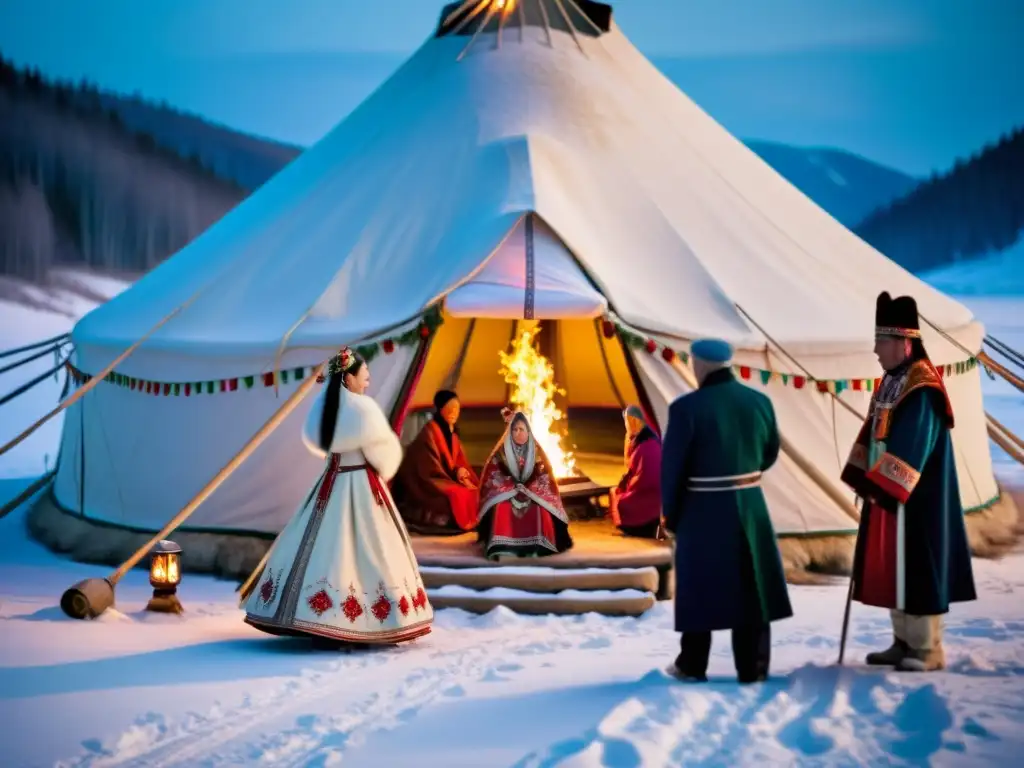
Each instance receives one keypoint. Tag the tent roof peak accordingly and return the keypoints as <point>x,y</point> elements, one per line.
<point>509,18</point>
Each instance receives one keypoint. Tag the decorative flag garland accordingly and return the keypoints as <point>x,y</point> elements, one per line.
<point>428,324</point>
<point>610,327</point>
<point>425,327</point>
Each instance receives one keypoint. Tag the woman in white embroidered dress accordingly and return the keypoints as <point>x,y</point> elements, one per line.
<point>343,567</point>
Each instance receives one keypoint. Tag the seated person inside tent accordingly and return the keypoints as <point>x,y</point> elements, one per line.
<point>636,500</point>
<point>521,512</point>
<point>436,489</point>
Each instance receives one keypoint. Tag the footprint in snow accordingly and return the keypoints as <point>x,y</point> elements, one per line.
<point>454,691</point>
<point>595,642</point>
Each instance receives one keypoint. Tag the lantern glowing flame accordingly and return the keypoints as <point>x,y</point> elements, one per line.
<point>532,378</point>
<point>165,575</point>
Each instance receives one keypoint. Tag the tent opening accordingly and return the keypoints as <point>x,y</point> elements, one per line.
<point>570,379</point>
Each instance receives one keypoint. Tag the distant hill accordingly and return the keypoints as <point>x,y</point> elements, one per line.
<point>116,184</point>
<point>247,160</point>
<point>846,185</point>
<point>974,209</point>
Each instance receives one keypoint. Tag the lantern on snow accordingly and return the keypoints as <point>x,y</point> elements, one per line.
<point>165,576</point>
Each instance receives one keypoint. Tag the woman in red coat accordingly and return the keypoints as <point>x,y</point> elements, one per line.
<point>521,512</point>
<point>436,488</point>
<point>636,501</point>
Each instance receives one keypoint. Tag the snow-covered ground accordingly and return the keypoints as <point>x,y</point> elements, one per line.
<point>499,690</point>
<point>204,689</point>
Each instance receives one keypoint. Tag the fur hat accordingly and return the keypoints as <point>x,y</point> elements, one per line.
<point>896,317</point>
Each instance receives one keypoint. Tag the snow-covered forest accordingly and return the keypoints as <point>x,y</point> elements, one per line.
<point>974,209</point>
<point>79,187</point>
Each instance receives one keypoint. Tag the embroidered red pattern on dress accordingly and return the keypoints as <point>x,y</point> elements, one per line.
<point>320,602</point>
<point>381,609</point>
<point>403,605</point>
<point>420,601</point>
<point>268,588</point>
<point>352,608</point>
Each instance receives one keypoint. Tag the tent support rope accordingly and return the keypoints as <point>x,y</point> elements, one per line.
<point>88,385</point>
<point>28,493</point>
<point>1004,349</point>
<point>26,360</point>
<point>22,390</point>
<point>35,345</point>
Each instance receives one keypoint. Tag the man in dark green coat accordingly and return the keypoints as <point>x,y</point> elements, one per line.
<point>718,442</point>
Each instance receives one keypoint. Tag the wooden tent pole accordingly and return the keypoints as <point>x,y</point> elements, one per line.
<point>272,423</point>
<point>792,452</point>
<point>1004,442</point>
<point>1006,432</point>
<point>1007,374</point>
<point>568,23</point>
<point>491,9</point>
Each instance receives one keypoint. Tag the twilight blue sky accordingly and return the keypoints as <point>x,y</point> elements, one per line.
<point>910,83</point>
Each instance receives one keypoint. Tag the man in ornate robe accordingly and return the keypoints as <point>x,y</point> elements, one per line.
<point>436,489</point>
<point>636,501</point>
<point>729,575</point>
<point>912,552</point>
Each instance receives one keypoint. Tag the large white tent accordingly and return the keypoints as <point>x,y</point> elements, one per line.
<point>553,173</point>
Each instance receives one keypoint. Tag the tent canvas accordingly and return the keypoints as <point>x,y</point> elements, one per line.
<point>642,207</point>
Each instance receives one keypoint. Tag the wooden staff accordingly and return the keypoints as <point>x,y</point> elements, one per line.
<point>846,623</point>
<point>90,598</point>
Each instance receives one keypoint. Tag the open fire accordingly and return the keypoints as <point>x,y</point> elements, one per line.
<point>532,378</point>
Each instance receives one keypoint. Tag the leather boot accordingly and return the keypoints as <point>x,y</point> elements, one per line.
<point>891,656</point>
<point>927,660</point>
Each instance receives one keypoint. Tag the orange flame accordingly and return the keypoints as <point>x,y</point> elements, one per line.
<point>533,391</point>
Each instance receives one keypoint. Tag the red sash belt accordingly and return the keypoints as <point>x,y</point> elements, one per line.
<point>376,485</point>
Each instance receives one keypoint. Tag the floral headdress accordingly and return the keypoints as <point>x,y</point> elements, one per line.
<point>340,363</point>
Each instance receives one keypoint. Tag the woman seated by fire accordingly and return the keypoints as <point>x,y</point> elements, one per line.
<point>521,512</point>
<point>436,489</point>
<point>636,501</point>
